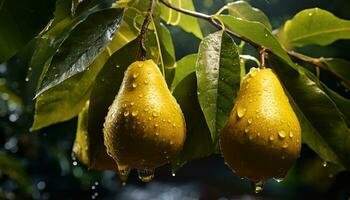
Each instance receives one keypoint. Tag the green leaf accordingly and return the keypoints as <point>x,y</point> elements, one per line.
<point>184,67</point>
<point>20,21</point>
<point>313,26</point>
<point>187,23</point>
<point>257,33</point>
<point>339,67</point>
<point>86,41</point>
<point>106,88</point>
<point>243,10</point>
<point>342,103</point>
<point>198,142</point>
<point>328,133</point>
<point>218,79</point>
<point>65,101</point>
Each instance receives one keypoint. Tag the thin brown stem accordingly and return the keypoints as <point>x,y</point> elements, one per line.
<point>144,27</point>
<point>263,55</point>
<point>217,24</point>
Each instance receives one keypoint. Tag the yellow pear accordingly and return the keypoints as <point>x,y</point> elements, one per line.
<point>87,147</point>
<point>144,127</point>
<point>262,138</point>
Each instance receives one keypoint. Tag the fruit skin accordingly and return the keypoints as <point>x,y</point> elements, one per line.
<point>262,137</point>
<point>91,154</point>
<point>144,127</point>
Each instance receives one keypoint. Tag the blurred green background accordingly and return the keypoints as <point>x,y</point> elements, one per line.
<point>39,165</point>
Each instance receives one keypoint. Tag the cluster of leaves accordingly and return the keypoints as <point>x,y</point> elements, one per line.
<point>83,52</point>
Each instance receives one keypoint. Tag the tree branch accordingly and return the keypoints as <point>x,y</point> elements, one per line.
<point>217,24</point>
<point>144,27</point>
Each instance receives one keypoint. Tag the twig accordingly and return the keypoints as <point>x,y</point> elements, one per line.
<point>144,27</point>
<point>214,22</point>
<point>263,55</point>
<point>209,19</point>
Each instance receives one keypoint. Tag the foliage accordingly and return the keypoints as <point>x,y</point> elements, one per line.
<point>82,53</point>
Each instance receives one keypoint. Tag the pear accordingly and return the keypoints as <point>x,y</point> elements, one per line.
<point>144,127</point>
<point>87,147</point>
<point>262,138</point>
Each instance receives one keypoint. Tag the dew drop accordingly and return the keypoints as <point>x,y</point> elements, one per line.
<point>246,130</point>
<point>134,113</point>
<point>253,71</point>
<point>135,75</point>
<point>174,125</point>
<point>171,142</point>
<point>282,134</point>
<point>310,14</point>
<point>146,109</point>
<point>139,65</point>
<point>173,174</point>
<point>145,175</point>
<point>134,85</point>
<point>140,95</point>
<point>157,133</point>
<point>146,82</point>
<point>291,134</point>
<point>266,35</point>
<point>271,138</point>
<point>126,113</point>
<point>132,103</point>
<point>124,171</point>
<point>285,145</point>
<point>324,164</point>
<point>241,111</point>
<point>250,121</point>
<point>278,180</point>
<point>26,79</point>
<point>258,186</point>
<point>258,134</point>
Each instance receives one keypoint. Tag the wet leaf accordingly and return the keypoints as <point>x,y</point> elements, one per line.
<point>218,77</point>
<point>198,142</point>
<point>313,26</point>
<point>86,41</point>
<point>65,101</point>
<point>188,23</point>
<point>257,33</point>
<point>243,10</point>
<point>339,67</point>
<point>324,127</point>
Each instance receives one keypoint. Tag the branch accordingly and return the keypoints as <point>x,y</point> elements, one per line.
<point>142,36</point>
<point>217,24</point>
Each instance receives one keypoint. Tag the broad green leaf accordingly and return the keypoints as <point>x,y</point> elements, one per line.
<point>218,79</point>
<point>339,67</point>
<point>20,21</point>
<point>86,41</point>
<point>313,26</point>
<point>65,101</point>
<point>328,133</point>
<point>188,23</point>
<point>243,10</point>
<point>106,88</point>
<point>257,33</point>
<point>183,68</point>
<point>198,142</point>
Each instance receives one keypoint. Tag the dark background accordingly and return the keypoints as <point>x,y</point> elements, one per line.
<point>39,165</point>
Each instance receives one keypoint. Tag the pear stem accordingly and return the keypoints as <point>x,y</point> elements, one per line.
<point>144,27</point>
<point>263,55</point>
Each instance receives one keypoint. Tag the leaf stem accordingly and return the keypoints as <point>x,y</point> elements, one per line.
<point>144,27</point>
<point>263,55</point>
